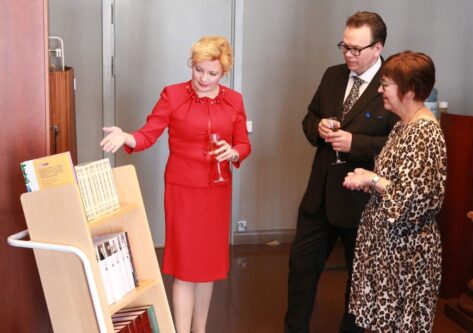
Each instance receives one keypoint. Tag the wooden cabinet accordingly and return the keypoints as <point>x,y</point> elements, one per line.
<point>56,216</point>
<point>62,112</point>
<point>456,229</point>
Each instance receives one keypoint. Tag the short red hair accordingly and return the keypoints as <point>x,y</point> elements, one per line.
<point>411,71</point>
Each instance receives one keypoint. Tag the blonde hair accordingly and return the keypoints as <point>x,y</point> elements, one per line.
<point>212,48</point>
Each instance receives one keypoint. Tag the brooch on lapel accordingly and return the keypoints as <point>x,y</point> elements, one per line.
<point>368,115</point>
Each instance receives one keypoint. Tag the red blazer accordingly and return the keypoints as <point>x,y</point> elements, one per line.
<point>190,120</point>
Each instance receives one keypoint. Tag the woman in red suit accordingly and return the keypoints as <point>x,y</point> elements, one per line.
<point>197,207</point>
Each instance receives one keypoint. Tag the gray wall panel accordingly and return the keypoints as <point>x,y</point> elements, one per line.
<point>287,45</point>
<point>152,47</point>
<point>79,24</point>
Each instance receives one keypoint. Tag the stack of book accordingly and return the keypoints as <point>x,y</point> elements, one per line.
<point>97,188</point>
<point>116,265</point>
<point>95,180</point>
<point>139,319</point>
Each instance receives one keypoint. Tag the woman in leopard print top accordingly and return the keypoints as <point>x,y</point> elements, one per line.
<point>397,266</point>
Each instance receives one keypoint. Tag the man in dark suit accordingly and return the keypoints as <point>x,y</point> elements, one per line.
<point>328,211</point>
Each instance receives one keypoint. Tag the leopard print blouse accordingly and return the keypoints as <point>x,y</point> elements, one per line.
<point>397,265</point>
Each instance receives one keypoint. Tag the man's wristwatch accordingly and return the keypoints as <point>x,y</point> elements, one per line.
<point>374,180</point>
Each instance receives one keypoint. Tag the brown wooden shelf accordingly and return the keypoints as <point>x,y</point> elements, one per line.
<point>144,286</point>
<point>124,209</point>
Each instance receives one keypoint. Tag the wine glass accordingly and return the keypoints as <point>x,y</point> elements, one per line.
<point>335,126</point>
<point>214,139</point>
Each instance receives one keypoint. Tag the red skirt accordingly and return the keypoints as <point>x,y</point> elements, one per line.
<point>197,232</point>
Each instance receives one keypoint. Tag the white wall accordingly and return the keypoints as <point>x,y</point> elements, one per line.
<point>79,24</point>
<point>276,89</point>
<point>440,29</point>
<point>286,47</point>
<point>145,64</point>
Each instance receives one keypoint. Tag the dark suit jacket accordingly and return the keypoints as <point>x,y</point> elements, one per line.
<point>369,124</point>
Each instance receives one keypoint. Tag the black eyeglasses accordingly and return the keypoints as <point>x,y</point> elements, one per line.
<point>385,84</point>
<point>353,50</point>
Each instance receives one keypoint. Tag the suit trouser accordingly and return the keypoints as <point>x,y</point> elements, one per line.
<point>314,241</point>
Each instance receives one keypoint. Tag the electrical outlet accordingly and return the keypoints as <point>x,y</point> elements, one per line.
<point>241,226</point>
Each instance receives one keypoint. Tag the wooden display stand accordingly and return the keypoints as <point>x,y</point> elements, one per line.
<point>56,216</point>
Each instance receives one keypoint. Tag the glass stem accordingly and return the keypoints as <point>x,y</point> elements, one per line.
<point>219,172</point>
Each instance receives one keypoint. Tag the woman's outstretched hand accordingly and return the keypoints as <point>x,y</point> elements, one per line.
<point>114,140</point>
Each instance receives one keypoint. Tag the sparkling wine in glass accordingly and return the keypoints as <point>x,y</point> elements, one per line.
<point>214,139</point>
<point>335,126</point>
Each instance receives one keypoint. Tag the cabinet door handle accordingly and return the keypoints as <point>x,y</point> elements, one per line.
<point>55,129</point>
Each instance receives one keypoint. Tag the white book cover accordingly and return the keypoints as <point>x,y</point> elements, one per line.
<point>114,261</point>
<point>127,259</point>
<point>116,258</point>
<point>109,251</point>
<point>105,274</point>
<point>126,287</point>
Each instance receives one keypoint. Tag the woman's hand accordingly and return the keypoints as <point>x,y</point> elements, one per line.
<point>359,179</point>
<point>225,152</point>
<point>114,140</point>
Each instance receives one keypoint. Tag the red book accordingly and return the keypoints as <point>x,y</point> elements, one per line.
<point>122,328</point>
<point>143,320</point>
<point>151,315</point>
<point>131,321</point>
